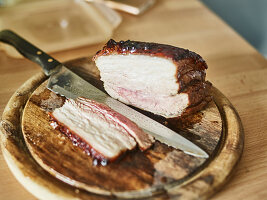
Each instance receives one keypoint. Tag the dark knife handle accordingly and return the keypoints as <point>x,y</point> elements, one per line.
<point>29,51</point>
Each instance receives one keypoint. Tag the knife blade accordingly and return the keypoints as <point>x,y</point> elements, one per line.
<point>66,83</point>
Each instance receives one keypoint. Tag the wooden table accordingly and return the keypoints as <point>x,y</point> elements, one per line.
<point>235,68</point>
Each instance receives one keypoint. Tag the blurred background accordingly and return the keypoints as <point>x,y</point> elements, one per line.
<point>247,17</point>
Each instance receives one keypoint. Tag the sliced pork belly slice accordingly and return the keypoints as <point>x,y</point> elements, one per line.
<point>143,139</point>
<point>153,77</point>
<point>98,130</point>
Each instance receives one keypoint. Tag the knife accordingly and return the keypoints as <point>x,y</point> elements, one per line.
<point>66,83</point>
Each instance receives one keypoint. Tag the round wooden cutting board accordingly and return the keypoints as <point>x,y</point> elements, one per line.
<point>51,167</point>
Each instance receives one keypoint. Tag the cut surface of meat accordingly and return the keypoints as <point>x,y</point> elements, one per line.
<point>99,130</point>
<point>154,77</point>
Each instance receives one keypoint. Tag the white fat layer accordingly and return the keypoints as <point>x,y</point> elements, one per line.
<point>147,82</point>
<point>107,138</point>
<point>139,72</point>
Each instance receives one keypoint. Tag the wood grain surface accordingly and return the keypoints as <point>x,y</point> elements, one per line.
<point>174,174</point>
<point>235,68</point>
<point>152,170</point>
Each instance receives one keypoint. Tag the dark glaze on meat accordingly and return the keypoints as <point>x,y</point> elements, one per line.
<point>190,66</point>
<point>199,96</point>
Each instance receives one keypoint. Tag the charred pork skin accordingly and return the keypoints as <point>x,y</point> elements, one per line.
<point>162,79</point>
<point>100,131</point>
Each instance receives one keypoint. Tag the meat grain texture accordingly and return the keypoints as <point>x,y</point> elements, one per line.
<point>162,79</point>
<point>100,131</point>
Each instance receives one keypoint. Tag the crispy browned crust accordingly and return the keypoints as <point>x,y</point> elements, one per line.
<point>199,97</point>
<point>190,66</point>
<point>197,92</point>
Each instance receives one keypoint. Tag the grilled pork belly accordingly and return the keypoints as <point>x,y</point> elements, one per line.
<point>163,79</point>
<point>98,130</point>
